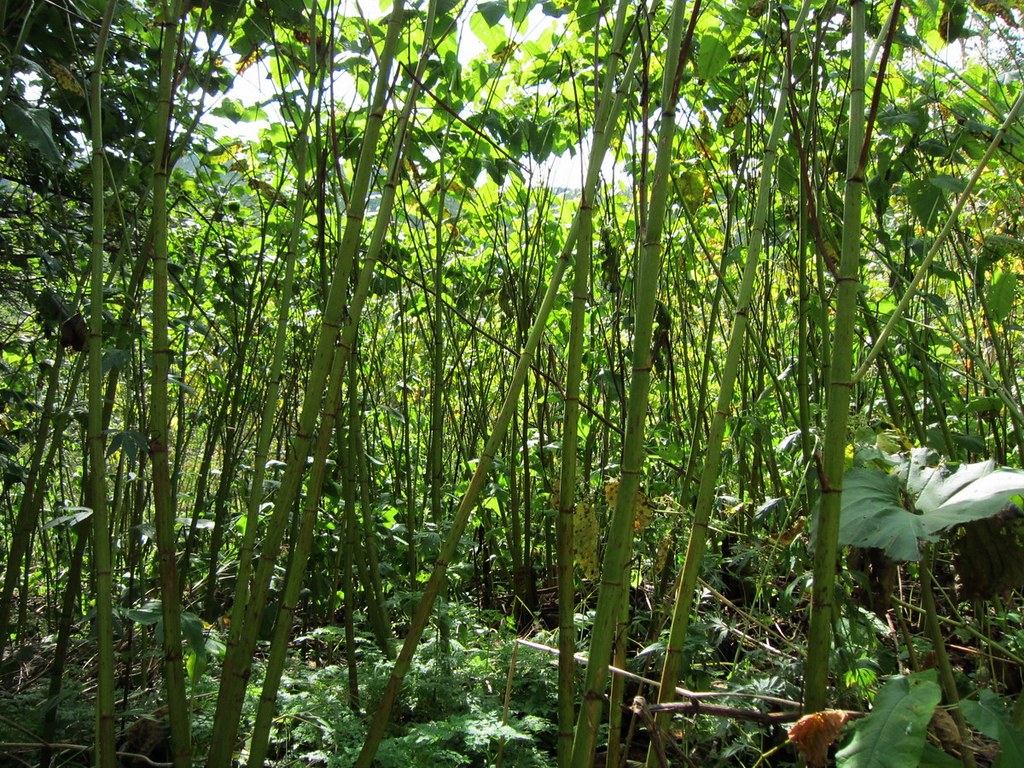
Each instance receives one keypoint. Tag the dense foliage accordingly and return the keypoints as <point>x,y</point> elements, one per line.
<point>359,366</point>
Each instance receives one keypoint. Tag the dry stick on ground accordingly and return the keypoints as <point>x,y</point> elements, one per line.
<point>9,747</point>
<point>692,697</point>
<point>695,704</point>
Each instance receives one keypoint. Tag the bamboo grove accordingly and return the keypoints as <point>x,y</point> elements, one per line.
<point>593,323</point>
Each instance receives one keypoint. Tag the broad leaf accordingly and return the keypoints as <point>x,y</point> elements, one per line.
<point>933,757</point>
<point>893,734</point>
<point>926,201</point>
<point>713,54</point>
<point>973,492</point>
<point>990,717</point>
<point>32,125</point>
<point>873,515</point>
<point>1001,294</point>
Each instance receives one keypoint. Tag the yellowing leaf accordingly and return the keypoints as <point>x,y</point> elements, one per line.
<point>67,81</point>
<point>664,548</point>
<point>691,188</point>
<point>737,112</point>
<point>584,527</point>
<point>611,492</point>
<point>643,512</point>
<point>248,60</point>
<point>813,734</point>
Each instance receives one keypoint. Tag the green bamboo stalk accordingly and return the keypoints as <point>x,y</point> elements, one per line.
<point>419,620</point>
<point>617,688</point>
<point>31,502</point>
<point>620,529</point>
<point>248,613</point>
<point>608,112</point>
<point>274,378</point>
<point>826,544</point>
<point>367,561</point>
<point>570,422</point>
<point>946,679</point>
<point>69,614</point>
<point>301,547</point>
<point>329,416</point>
<point>159,424</point>
<point>329,420</point>
<point>713,454</point>
<point>233,414</point>
<point>567,490</point>
<point>103,567</point>
<point>349,463</point>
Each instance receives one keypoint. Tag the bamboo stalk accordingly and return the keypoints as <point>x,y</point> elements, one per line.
<point>709,480</point>
<point>159,431</point>
<point>103,567</point>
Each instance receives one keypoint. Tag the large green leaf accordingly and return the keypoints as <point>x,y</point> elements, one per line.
<point>32,125</point>
<point>1001,294</point>
<point>926,201</point>
<point>989,716</point>
<point>972,492</point>
<point>713,54</point>
<point>875,514</point>
<point>893,734</point>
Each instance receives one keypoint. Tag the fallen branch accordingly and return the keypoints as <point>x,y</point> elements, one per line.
<point>689,695</point>
<point>698,707</point>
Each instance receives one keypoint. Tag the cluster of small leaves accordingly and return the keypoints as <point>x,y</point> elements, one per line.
<point>451,713</point>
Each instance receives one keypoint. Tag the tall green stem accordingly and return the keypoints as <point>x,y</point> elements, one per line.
<point>826,543</point>
<point>607,117</point>
<point>238,661</point>
<point>713,454</point>
<point>159,422</point>
<point>570,423</point>
<point>620,529</point>
<point>103,567</point>
<point>328,423</point>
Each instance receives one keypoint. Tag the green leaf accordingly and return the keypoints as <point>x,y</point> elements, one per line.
<point>950,184</point>
<point>484,23</point>
<point>873,515</point>
<point>492,12</point>
<point>193,631</point>
<point>115,358</point>
<point>131,441</point>
<point>712,56</point>
<point>970,443</point>
<point>893,734</point>
<point>32,125</point>
<point>149,614</point>
<point>984,404</point>
<point>989,715</point>
<point>926,200</point>
<point>977,491</point>
<point>78,514</point>
<point>1002,292</point>
<point>933,757</point>
<point>972,492</point>
<point>1004,244</point>
<point>916,119</point>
